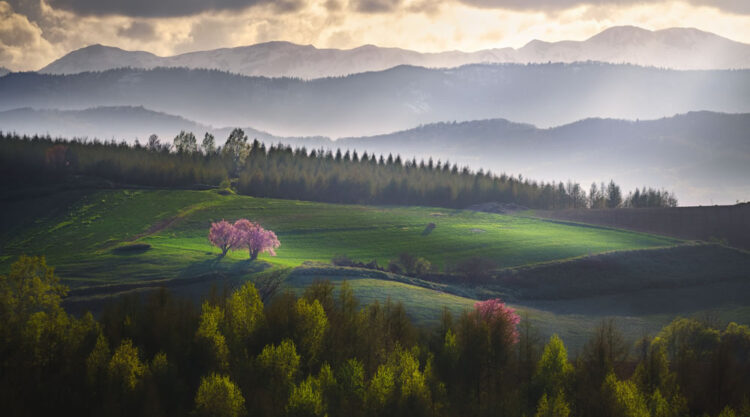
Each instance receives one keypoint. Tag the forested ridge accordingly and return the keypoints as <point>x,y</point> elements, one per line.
<point>322,353</point>
<point>283,172</point>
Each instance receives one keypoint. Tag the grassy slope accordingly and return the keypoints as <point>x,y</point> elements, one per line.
<point>636,314</point>
<point>80,233</point>
<point>80,241</point>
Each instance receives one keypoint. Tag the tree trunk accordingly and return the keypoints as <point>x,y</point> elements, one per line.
<point>253,255</point>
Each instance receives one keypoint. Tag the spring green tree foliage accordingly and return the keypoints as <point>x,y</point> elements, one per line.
<point>185,143</point>
<point>125,367</point>
<point>553,370</point>
<point>623,399</point>
<point>208,145</point>
<point>210,337</point>
<point>218,396</point>
<point>325,354</point>
<point>553,406</point>
<point>311,327</point>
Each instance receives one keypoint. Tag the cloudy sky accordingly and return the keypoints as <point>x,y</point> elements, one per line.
<point>35,32</point>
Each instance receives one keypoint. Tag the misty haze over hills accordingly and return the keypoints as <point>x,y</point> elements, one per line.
<point>128,124</point>
<point>704,157</point>
<point>396,99</point>
<point>3,71</point>
<point>677,48</point>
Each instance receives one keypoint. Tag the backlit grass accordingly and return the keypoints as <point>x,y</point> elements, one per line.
<point>175,223</point>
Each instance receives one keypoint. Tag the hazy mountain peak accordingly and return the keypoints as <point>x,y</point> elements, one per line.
<point>99,57</point>
<point>677,48</point>
<point>275,44</point>
<point>536,43</point>
<point>98,48</point>
<point>4,71</point>
<point>622,32</point>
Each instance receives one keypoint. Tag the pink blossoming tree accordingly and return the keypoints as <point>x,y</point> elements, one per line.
<point>243,234</point>
<point>255,238</point>
<point>223,236</point>
<point>500,317</point>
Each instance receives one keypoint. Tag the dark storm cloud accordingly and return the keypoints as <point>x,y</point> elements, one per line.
<point>333,5</point>
<point>138,30</point>
<point>172,8</point>
<point>731,6</point>
<point>164,8</point>
<point>374,6</point>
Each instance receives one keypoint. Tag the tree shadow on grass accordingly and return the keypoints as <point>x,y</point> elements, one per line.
<point>219,266</point>
<point>132,249</point>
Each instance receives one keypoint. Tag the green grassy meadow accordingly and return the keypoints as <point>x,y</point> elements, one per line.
<point>78,232</point>
<point>176,224</point>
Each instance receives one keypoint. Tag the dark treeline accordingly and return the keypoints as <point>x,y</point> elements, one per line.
<point>283,172</point>
<point>649,197</point>
<point>324,354</point>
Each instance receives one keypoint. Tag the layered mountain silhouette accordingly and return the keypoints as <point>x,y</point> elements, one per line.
<point>703,156</point>
<point>396,99</point>
<point>676,48</point>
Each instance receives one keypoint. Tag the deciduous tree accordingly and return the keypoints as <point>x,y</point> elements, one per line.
<point>218,396</point>
<point>255,239</point>
<point>223,235</point>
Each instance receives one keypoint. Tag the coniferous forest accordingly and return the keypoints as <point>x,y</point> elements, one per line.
<point>279,171</point>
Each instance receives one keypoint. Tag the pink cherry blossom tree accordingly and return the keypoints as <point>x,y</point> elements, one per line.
<point>255,238</point>
<point>223,236</point>
<point>500,317</point>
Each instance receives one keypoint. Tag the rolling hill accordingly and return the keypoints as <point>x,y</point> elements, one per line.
<point>678,48</point>
<point>395,99</point>
<point>596,272</point>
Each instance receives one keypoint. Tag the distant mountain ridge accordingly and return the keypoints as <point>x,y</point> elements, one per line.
<point>391,100</point>
<point>676,48</point>
<point>4,71</point>
<point>703,156</point>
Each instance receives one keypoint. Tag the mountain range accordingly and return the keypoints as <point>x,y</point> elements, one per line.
<point>395,99</point>
<point>676,48</point>
<point>3,71</point>
<point>703,156</point>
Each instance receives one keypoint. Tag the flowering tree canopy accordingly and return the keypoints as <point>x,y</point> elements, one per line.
<point>243,234</point>
<point>495,312</point>
<point>255,238</point>
<point>223,236</point>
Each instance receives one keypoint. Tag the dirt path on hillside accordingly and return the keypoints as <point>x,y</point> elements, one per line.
<point>165,223</point>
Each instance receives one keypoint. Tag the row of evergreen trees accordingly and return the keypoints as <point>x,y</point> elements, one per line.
<point>282,172</point>
<point>324,354</point>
